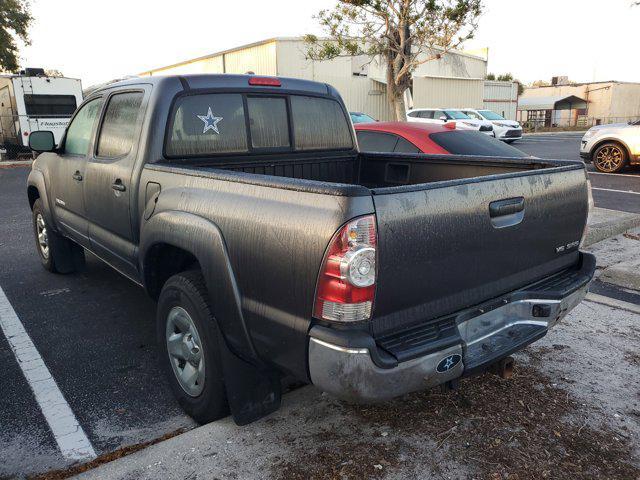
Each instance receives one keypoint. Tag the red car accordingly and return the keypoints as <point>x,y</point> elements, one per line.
<point>414,137</point>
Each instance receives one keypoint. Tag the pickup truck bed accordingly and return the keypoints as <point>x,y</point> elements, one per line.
<point>369,275</point>
<point>442,200</point>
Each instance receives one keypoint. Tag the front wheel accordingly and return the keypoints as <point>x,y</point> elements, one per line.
<point>609,157</point>
<point>189,339</point>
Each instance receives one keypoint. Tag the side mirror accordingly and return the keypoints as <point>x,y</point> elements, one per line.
<point>42,141</point>
<point>443,118</point>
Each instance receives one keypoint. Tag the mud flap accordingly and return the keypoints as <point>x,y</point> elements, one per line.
<point>253,392</point>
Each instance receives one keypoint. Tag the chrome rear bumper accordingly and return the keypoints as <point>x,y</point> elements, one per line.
<point>355,371</point>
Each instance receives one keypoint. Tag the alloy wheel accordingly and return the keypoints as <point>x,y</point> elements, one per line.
<point>185,351</point>
<point>43,238</point>
<point>609,158</point>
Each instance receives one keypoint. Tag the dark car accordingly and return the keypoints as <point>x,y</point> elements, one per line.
<point>413,137</point>
<point>359,117</point>
<point>274,247</point>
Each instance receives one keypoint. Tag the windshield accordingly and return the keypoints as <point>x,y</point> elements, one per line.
<point>359,117</point>
<point>456,115</point>
<point>489,115</point>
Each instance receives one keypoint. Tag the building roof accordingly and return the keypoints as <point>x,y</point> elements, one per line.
<point>580,84</point>
<point>558,102</point>
<point>271,40</point>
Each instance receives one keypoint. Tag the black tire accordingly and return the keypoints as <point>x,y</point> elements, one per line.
<point>61,255</point>
<point>610,157</point>
<point>188,291</point>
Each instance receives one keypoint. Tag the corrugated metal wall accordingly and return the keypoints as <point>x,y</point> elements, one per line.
<point>443,92</point>
<point>260,59</point>
<point>501,97</point>
<point>434,85</point>
<point>360,94</point>
<point>205,65</point>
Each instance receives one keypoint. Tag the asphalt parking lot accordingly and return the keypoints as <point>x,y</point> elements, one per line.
<point>614,191</point>
<point>95,332</point>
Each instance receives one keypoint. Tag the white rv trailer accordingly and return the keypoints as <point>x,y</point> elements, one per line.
<point>31,101</point>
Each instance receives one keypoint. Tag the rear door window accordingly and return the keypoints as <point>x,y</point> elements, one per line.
<point>119,125</point>
<point>404,146</point>
<point>207,124</point>
<point>319,124</point>
<point>376,141</point>
<point>268,122</point>
<point>460,142</point>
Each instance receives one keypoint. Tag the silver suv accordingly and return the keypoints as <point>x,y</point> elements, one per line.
<point>612,147</point>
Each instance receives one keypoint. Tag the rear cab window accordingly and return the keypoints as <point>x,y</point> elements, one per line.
<point>209,124</point>
<point>464,142</point>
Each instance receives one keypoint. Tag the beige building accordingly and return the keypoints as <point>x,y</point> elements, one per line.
<point>455,80</point>
<point>582,104</point>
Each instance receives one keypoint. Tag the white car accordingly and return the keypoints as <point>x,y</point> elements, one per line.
<point>611,147</point>
<point>506,130</point>
<point>447,115</point>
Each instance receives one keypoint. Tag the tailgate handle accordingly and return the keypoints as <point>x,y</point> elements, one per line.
<point>500,208</point>
<point>506,213</point>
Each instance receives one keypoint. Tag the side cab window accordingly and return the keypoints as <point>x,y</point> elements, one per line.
<point>81,127</point>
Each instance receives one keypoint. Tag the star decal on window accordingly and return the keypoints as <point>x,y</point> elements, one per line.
<point>210,121</point>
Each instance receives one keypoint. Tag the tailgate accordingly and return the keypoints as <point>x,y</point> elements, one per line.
<point>446,246</point>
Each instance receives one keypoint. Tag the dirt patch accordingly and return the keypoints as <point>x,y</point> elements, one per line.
<point>96,462</point>
<point>522,428</point>
<point>633,358</point>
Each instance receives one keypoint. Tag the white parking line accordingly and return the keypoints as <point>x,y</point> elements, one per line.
<point>614,190</point>
<point>69,435</point>
<point>612,302</point>
<point>615,174</point>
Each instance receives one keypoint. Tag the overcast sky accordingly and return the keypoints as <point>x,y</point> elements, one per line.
<point>584,39</point>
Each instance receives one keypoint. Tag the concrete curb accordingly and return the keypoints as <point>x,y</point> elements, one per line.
<point>15,163</point>
<point>604,223</point>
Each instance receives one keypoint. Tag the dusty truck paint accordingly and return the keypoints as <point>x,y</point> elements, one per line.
<point>467,259</point>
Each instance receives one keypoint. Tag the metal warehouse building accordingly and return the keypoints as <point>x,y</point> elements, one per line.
<point>580,104</point>
<point>456,80</point>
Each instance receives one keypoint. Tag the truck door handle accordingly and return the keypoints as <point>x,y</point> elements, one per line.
<point>509,206</point>
<point>77,176</point>
<point>118,186</point>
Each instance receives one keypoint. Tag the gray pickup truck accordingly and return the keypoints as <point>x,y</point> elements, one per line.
<point>275,248</point>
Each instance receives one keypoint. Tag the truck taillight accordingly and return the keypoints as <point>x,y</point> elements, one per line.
<point>347,279</point>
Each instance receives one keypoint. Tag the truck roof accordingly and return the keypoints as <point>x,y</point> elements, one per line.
<point>229,81</point>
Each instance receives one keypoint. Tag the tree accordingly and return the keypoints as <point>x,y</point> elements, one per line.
<point>505,77</point>
<point>404,34</point>
<point>53,73</point>
<point>490,76</point>
<point>15,19</point>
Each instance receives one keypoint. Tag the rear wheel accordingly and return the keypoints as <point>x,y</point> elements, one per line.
<point>609,157</point>
<point>189,339</point>
<point>57,253</point>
